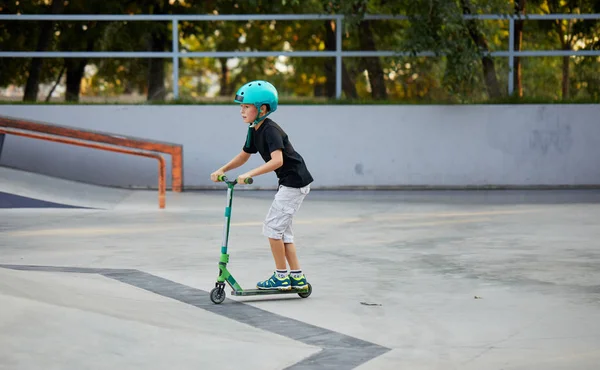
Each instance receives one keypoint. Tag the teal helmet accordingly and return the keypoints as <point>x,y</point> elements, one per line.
<point>257,93</point>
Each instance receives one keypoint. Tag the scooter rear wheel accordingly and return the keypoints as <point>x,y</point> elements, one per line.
<point>306,294</point>
<point>217,295</point>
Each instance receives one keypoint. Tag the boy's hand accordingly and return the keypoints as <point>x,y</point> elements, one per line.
<point>215,175</point>
<point>242,178</point>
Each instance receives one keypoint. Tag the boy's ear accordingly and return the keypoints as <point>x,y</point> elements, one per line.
<point>264,108</point>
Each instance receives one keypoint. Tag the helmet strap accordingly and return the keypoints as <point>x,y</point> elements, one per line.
<point>249,137</point>
<point>259,118</point>
<point>251,129</point>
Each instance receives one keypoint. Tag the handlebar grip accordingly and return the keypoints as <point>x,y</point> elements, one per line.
<point>225,179</point>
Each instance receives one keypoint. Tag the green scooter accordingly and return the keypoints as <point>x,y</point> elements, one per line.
<point>217,294</point>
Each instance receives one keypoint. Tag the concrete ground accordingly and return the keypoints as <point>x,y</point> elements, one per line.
<point>402,280</point>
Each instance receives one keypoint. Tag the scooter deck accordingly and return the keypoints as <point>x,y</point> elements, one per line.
<point>248,292</point>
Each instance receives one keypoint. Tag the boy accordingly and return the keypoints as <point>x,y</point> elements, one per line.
<point>259,99</point>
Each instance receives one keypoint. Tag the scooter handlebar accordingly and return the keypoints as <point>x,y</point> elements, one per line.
<point>224,178</point>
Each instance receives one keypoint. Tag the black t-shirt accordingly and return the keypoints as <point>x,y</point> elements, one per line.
<point>270,137</point>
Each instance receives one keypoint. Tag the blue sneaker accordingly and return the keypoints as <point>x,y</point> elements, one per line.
<point>299,283</point>
<point>275,282</point>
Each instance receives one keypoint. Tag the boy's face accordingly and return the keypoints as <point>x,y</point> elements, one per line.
<point>248,112</point>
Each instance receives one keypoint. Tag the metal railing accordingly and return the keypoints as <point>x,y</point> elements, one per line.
<point>104,141</point>
<point>115,140</point>
<point>176,54</point>
<point>63,140</point>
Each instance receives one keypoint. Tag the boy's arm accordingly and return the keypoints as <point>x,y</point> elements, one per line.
<point>236,162</point>
<point>275,162</point>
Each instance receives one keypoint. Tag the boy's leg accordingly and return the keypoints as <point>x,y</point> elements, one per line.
<point>297,278</point>
<point>279,218</point>
<point>291,256</point>
<point>280,278</point>
<point>279,253</point>
<point>290,248</point>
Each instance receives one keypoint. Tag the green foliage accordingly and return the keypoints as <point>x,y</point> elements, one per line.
<point>18,35</point>
<point>438,26</point>
<point>458,73</point>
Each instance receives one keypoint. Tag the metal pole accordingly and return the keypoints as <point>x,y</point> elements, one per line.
<point>260,54</point>
<point>175,58</point>
<point>338,57</point>
<point>263,17</point>
<point>511,55</point>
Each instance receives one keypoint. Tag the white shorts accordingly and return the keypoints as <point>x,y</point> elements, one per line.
<point>278,223</point>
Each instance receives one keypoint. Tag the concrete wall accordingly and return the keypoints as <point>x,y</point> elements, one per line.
<point>358,145</point>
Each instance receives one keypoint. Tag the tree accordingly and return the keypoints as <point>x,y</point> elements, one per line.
<point>44,40</point>
<point>519,6</point>
<point>570,32</point>
<point>148,75</point>
<point>460,70</point>
<point>82,36</point>
<point>16,36</point>
<point>439,26</point>
<point>363,30</point>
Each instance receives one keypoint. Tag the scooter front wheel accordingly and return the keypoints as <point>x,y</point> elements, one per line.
<point>217,295</point>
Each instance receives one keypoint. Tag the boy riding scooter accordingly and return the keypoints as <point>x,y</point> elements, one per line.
<point>258,99</point>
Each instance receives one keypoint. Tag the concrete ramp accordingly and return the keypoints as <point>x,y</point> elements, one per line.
<point>21,189</point>
<point>8,200</point>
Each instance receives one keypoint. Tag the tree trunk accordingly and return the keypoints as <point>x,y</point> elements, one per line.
<point>372,64</point>
<point>156,69</point>
<point>62,71</point>
<point>224,91</point>
<point>44,39</point>
<point>566,45</point>
<point>348,86</point>
<point>518,40</point>
<point>565,42</point>
<point>489,69</point>
<point>329,62</point>
<point>75,69</point>
<point>565,75</point>
<point>156,66</point>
